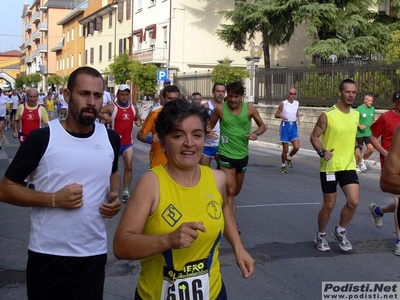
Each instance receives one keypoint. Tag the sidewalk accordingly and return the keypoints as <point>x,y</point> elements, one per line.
<point>271,138</point>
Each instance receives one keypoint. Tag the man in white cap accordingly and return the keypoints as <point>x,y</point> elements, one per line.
<point>121,115</point>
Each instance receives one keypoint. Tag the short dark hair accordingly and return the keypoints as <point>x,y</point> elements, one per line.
<point>178,110</point>
<point>348,80</point>
<point>236,87</point>
<point>170,89</point>
<point>215,84</point>
<point>82,70</point>
<point>196,94</point>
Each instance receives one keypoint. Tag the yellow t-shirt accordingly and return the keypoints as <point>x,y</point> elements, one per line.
<point>157,155</point>
<point>194,270</point>
<point>50,105</point>
<point>340,135</point>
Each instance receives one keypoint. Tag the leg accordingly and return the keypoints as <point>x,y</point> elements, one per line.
<point>205,160</point>
<point>390,208</point>
<point>1,132</point>
<point>127,156</point>
<point>296,147</point>
<point>368,152</point>
<point>239,183</point>
<point>325,212</point>
<point>230,187</point>
<point>285,148</point>
<point>352,192</point>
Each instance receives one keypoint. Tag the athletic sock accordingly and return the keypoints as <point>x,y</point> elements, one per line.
<point>397,241</point>
<point>340,229</point>
<point>283,165</point>
<point>321,233</point>
<point>378,211</point>
<point>289,157</point>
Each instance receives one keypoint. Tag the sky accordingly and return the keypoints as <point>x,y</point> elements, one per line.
<point>11,24</point>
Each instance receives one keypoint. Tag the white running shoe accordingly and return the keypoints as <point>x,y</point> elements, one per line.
<point>342,239</point>
<point>322,243</point>
<point>363,166</point>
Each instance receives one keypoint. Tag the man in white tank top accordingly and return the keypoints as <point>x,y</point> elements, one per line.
<point>212,140</point>
<point>288,112</point>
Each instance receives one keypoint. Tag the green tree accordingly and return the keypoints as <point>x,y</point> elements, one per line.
<point>225,73</point>
<point>32,80</point>
<point>19,82</point>
<point>122,68</point>
<point>55,80</point>
<point>272,19</point>
<point>145,77</point>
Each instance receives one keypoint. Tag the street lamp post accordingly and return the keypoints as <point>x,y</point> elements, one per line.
<point>255,55</point>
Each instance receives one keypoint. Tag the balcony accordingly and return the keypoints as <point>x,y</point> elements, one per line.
<point>28,26</point>
<point>43,70</point>
<point>28,43</point>
<point>43,26</point>
<point>36,17</point>
<point>28,59</point>
<point>42,48</point>
<point>151,55</point>
<point>35,53</point>
<point>36,36</point>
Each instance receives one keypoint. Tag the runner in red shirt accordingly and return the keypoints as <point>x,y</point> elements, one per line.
<point>121,115</point>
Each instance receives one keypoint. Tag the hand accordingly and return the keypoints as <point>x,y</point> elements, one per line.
<point>110,209</point>
<point>252,136</point>
<point>328,154</point>
<point>155,138</point>
<point>70,196</point>
<point>212,134</point>
<point>185,235</point>
<point>245,262</point>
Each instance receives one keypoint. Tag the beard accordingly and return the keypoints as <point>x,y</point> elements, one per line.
<point>84,120</point>
<point>87,120</point>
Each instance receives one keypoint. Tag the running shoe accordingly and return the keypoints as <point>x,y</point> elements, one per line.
<point>322,243</point>
<point>342,239</point>
<point>5,128</point>
<point>363,166</point>
<point>289,163</point>
<point>378,222</point>
<point>283,170</point>
<point>31,186</point>
<point>397,249</point>
<point>125,196</point>
<point>358,170</point>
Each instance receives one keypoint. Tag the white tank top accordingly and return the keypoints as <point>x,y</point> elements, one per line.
<point>67,159</point>
<point>212,142</point>
<point>290,110</point>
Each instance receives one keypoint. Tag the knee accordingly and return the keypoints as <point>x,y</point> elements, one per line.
<point>352,204</point>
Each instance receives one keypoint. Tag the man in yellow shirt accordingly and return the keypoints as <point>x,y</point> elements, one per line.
<point>337,128</point>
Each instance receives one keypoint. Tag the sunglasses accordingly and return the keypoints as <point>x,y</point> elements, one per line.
<point>292,94</point>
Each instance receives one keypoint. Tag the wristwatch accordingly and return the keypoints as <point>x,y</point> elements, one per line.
<point>358,147</point>
<point>321,152</point>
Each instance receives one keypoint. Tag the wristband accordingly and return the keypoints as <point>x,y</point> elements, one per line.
<point>148,139</point>
<point>321,152</point>
<point>256,133</point>
<point>53,200</point>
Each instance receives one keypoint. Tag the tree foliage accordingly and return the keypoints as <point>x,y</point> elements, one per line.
<point>225,73</point>
<point>19,82</point>
<point>55,80</point>
<point>145,77</point>
<point>347,28</point>
<point>122,68</point>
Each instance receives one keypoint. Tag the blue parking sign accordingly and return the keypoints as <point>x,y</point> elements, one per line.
<point>162,75</point>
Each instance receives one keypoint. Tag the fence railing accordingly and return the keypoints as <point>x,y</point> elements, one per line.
<point>315,85</point>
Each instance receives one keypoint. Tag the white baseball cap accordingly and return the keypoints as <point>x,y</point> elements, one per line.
<point>124,87</point>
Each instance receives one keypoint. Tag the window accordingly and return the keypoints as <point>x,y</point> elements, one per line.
<point>152,2</point>
<point>67,62</point>
<point>57,65</point>
<point>67,36</point>
<point>86,56</point>
<point>100,53</point>
<point>80,59</point>
<point>110,18</point>
<point>91,27</point>
<point>109,51</point>
<point>80,30</point>
<point>120,10</point>
<point>140,5</point>
<point>98,24</point>
<point>72,34</point>
<point>91,55</point>
<point>63,64</point>
<point>128,9</point>
<point>150,35</point>
<point>120,45</point>
<point>72,62</point>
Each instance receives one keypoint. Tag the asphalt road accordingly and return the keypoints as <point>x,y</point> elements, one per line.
<point>277,214</point>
